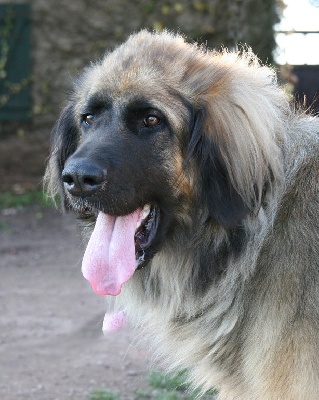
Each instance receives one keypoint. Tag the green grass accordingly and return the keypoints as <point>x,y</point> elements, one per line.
<point>99,394</point>
<point>161,387</point>
<point>176,382</point>
<point>13,200</point>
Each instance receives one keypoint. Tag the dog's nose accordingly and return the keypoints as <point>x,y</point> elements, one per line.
<point>81,178</point>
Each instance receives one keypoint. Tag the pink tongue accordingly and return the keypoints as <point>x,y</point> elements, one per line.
<point>109,260</point>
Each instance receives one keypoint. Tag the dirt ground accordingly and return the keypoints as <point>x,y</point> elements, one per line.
<point>51,343</point>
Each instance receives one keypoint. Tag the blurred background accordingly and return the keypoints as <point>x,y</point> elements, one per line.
<point>45,43</point>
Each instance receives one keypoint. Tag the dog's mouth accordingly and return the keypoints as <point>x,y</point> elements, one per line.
<point>145,234</point>
<point>118,246</point>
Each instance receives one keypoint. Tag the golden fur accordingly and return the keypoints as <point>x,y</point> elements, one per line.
<point>251,329</point>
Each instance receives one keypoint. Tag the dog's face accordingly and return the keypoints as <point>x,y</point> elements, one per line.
<point>122,144</point>
<point>155,133</point>
<point>128,157</point>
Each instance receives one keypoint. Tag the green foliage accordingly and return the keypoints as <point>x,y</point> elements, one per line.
<point>99,394</point>
<point>159,380</point>
<point>11,200</point>
<point>161,387</point>
<point>173,387</point>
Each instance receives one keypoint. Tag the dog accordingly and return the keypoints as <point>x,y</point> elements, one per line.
<point>198,184</point>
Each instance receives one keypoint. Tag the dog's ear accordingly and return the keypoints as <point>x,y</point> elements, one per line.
<point>236,137</point>
<point>63,143</point>
<point>224,203</point>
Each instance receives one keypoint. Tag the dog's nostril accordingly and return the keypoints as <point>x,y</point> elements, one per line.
<point>83,179</point>
<point>68,179</point>
<point>91,181</point>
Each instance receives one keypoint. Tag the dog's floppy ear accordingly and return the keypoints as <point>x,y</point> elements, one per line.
<point>225,205</point>
<point>235,139</point>
<point>63,144</point>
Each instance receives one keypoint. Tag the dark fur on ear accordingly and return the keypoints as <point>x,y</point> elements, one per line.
<point>63,144</point>
<point>224,203</point>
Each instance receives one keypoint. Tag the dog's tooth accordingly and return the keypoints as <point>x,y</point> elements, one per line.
<point>146,211</point>
<point>144,214</point>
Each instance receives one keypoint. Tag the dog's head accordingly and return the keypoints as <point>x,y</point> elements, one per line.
<point>158,129</point>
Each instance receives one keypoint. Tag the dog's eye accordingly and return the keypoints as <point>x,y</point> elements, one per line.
<point>151,120</point>
<point>88,119</point>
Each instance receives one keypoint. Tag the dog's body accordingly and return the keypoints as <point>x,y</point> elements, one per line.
<point>202,152</point>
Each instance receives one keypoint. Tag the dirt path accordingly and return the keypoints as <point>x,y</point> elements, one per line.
<point>51,344</point>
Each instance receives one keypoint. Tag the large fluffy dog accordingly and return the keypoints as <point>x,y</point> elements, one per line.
<point>201,185</point>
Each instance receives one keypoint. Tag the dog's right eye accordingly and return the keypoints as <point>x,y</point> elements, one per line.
<point>88,119</point>
<point>151,120</point>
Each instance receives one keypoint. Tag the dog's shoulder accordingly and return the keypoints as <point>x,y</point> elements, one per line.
<point>299,203</point>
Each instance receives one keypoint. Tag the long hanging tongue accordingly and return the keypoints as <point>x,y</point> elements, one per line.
<point>109,260</point>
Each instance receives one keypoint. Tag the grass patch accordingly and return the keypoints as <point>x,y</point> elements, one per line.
<point>173,387</point>
<point>100,394</point>
<point>158,380</point>
<point>161,387</point>
<point>33,197</point>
